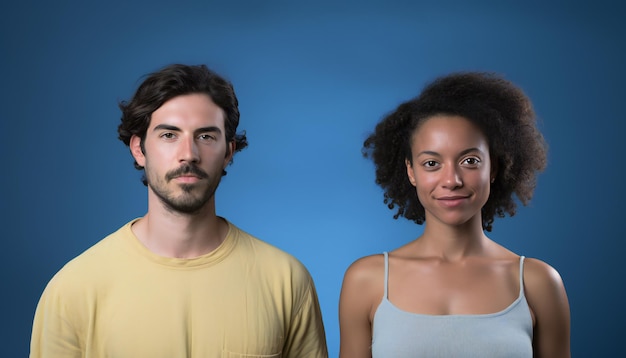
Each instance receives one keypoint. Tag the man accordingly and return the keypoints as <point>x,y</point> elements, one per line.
<point>180,281</point>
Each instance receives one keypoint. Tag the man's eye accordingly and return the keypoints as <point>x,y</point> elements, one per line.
<point>167,135</point>
<point>207,137</point>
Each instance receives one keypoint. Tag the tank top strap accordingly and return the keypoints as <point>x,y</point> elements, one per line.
<point>521,275</point>
<point>386,272</point>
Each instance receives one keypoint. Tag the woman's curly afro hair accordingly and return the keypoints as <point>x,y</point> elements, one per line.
<point>499,108</point>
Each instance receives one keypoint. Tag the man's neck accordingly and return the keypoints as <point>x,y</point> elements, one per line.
<point>173,234</point>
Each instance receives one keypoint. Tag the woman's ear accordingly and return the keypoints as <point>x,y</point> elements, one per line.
<point>136,149</point>
<point>409,172</point>
<point>494,170</point>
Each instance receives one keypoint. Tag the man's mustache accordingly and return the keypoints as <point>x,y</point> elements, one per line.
<point>186,169</point>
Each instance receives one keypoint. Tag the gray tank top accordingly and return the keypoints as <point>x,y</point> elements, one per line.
<point>507,333</point>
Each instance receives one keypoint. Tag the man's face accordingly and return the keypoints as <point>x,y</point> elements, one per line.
<point>185,152</point>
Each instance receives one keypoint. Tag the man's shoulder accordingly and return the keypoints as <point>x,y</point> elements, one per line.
<point>91,261</point>
<point>267,253</point>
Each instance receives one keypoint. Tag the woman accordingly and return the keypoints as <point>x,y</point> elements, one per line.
<point>452,159</point>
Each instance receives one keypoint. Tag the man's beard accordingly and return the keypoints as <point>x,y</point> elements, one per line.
<point>187,202</point>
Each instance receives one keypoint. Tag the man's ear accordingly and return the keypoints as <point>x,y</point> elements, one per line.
<point>137,151</point>
<point>409,172</point>
<point>230,151</point>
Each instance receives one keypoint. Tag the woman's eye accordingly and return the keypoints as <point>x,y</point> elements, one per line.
<point>430,163</point>
<point>472,161</point>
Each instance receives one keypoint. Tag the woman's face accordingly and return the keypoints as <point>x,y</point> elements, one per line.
<point>450,169</point>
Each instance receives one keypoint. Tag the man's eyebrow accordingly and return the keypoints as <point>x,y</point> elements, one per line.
<point>166,127</point>
<point>208,129</point>
<point>176,129</point>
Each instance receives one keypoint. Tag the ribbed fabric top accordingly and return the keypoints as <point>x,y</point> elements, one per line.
<point>508,333</point>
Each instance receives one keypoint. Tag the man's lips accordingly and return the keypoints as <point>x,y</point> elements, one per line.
<point>187,178</point>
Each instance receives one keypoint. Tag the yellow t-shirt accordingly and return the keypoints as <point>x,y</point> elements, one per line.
<point>118,299</point>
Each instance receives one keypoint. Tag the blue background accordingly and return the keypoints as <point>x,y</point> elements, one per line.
<point>313,78</point>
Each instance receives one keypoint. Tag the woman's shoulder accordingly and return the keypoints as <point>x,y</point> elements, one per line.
<point>540,273</point>
<point>544,286</point>
<point>366,270</point>
<point>363,287</point>
<point>549,306</point>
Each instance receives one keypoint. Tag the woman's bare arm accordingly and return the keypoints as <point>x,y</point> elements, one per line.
<point>361,293</point>
<point>548,301</point>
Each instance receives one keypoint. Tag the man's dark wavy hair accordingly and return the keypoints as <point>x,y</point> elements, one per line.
<point>499,108</point>
<point>172,81</point>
